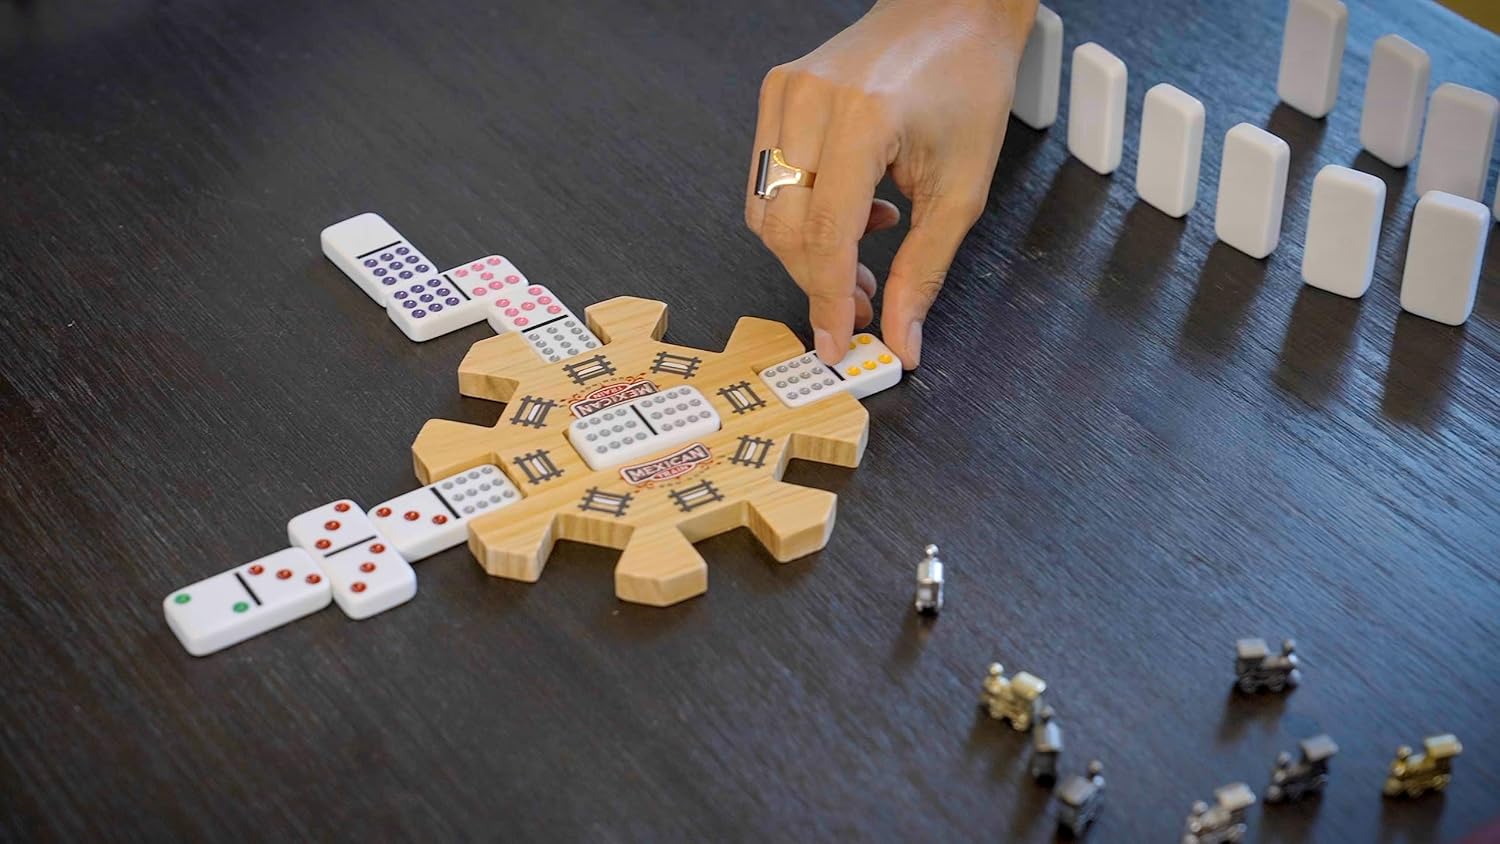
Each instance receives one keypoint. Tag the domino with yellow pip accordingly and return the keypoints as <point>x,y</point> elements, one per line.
<point>868,368</point>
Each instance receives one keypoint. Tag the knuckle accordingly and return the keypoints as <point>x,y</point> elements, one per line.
<point>774,79</point>
<point>803,88</point>
<point>870,109</point>
<point>778,235</point>
<point>820,233</point>
<point>930,283</point>
<point>968,206</point>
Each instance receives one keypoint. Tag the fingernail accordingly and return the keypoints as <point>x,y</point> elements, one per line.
<point>826,348</point>
<point>914,345</point>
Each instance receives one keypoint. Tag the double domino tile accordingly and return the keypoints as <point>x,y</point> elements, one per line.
<point>436,517</point>
<point>367,573</point>
<point>246,601</point>
<point>867,369</point>
<point>642,426</point>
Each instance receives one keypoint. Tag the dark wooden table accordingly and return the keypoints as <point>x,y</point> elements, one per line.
<point>1133,445</point>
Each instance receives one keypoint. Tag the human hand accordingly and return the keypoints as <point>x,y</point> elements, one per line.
<point>921,88</point>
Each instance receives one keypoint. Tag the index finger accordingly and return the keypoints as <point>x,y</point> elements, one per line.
<point>837,214</point>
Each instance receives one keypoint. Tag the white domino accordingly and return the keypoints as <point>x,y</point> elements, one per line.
<point>431,307</point>
<point>375,256</point>
<point>1443,257</point>
<point>1312,50</point>
<point>1457,142</point>
<point>1252,189</point>
<point>637,428</point>
<point>552,330</point>
<point>436,517</point>
<point>1166,173</point>
<point>1039,75</point>
<point>1343,231</point>
<point>1096,108</point>
<point>246,601</point>
<point>1395,96</point>
<point>369,576</point>
<point>868,368</point>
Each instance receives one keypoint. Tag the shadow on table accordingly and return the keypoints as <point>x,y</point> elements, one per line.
<point>1241,711</point>
<point>1227,285</point>
<point>1068,212</point>
<point>1487,303</point>
<point>1291,822</point>
<point>915,630</point>
<point>1302,133</point>
<point>1424,356</point>
<point>1318,337</point>
<point>1144,252</point>
<point>1394,178</point>
<point>1410,820</point>
<point>1021,145</point>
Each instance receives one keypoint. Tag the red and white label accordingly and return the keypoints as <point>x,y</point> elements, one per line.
<point>673,465</point>
<point>610,395</point>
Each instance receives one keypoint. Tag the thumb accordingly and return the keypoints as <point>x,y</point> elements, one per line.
<point>920,267</point>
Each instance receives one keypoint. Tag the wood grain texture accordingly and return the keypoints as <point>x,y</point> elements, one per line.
<point>655,520</point>
<point>1133,445</point>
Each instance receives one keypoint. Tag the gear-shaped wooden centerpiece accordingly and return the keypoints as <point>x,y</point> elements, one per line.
<point>654,508</point>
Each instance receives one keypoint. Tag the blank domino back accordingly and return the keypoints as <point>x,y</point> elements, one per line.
<point>1252,189</point>
<point>1395,98</point>
<point>1343,231</point>
<point>1443,257</point>
<point>1312,50</point>
<point>1166,174</point>
<point>1457,142</point>
<point>246,601</point>
<point>1096,108</point>
<point>1039,75</point>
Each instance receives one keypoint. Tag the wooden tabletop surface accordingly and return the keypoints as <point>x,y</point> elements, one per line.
<point>1133,445</point>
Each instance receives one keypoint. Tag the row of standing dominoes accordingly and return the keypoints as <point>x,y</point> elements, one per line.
<point>1449,227</point>
<point>362,561</point>
<point>339,553</point>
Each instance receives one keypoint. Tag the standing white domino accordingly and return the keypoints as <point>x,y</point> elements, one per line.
<point>375,256</point>
<point>1443,257</point>
<point>1312,49</point>
<point>553,331</point>
<point>1395,95</point>
<point>368,574</point>
<point>431,307</point>
<point>1039,75</point>
<point>1457,141</point>
<point>1343,230</point>
<point>868,368</point>
<point>639,427</point>
<point>1252,188</point>
<point>436,517</point>
<point>1166,173</point>
<point>1096,108</point>
<point>246,601</point>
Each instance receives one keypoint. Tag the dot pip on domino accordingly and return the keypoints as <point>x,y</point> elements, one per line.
<point>246,601</point>
<point>368,574</point>
<point>868,368</point>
